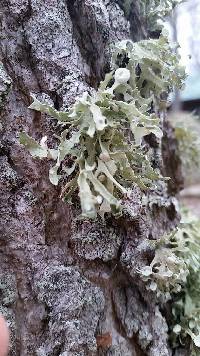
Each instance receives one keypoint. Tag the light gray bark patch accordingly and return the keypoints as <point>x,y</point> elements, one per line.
<point>131,10</point>
<point>9,178</point>
<point>5,85</point>
<point>142,320</point>
<point>74,305</point>
<point>96,25</point>
<point>96,241</point>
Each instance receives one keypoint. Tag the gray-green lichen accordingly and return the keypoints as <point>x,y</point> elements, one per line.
<point>185,243</point>
<point>101,152</point>
<point>151,11</point>
<point>186,128</point>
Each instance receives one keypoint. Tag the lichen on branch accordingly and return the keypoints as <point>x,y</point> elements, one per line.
<point>173,275</point>
<point>152,12</point>
<point>103,132</point>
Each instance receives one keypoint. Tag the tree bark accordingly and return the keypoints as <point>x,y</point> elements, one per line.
<point>68,287</point>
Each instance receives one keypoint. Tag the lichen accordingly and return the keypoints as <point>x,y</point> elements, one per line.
<point>174,274</point>
<point>186,315</point>
<point>101,151</point>
<point>152,11</point>
<point>166,274</point>
<point>186,127</point>
<point>8,290</point>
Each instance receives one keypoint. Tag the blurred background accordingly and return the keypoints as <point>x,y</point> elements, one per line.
<point>183,28</point>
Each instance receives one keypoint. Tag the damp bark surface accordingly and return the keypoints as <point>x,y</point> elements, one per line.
<point>71,287</point>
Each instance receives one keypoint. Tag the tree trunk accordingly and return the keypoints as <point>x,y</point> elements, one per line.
<point>68,287</point>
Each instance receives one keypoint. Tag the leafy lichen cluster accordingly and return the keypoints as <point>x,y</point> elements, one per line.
<point>187,130</point>
<point>155,10</point>
<point>186,309</point>
<point>166,274</point>
<point>174,274</point>
<point>152,11</point>
<point>101,150</point>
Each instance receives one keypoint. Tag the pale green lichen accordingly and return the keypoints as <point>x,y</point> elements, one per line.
<point>152,11</point>
<point>187,131</point>
<point>186,309</point>
<point>155,10</point>
<point>103,138</point>
<point>166,274</point>
<point>174,274</point>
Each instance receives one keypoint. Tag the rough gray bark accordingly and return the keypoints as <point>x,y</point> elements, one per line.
<point>69,287</point>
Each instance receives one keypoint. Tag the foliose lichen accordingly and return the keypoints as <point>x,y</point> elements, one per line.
<point>152,11</point>
<point>186,308</point>
<point>186,127</point>
<point>173,275</point>
<point>101,150</point>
